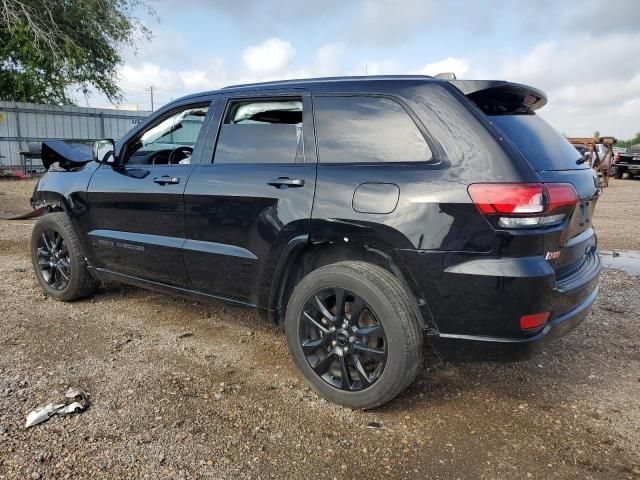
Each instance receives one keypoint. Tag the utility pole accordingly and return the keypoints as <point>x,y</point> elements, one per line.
<point>150,90</point>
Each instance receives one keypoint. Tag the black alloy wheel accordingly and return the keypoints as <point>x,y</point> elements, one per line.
<point>342,339</point>
<point>58,262</point>
<point>54,259</point>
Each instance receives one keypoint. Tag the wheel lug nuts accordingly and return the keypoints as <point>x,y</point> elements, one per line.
<point>334,343</point>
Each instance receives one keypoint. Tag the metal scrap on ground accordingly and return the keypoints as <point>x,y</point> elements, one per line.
<point>77,400</point>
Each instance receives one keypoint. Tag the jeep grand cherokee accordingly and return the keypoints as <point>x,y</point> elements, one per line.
<point>363,214</point>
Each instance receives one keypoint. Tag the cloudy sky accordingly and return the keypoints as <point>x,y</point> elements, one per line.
<point>585,54</point>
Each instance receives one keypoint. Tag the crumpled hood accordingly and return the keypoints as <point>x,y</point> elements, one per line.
<point>66,153</point>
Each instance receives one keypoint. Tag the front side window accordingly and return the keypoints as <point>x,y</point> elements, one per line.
<point>367,130</point>
<point>261,131</point>
<point>169,142</point>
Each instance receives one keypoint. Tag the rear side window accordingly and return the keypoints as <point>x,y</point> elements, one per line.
<point>366,130</point>
<point>543,146</point>
<point>261,131</point>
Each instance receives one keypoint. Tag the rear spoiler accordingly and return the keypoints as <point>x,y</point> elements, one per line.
<point>496,97</point>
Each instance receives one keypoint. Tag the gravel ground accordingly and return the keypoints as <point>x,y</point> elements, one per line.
<point>188,390</point>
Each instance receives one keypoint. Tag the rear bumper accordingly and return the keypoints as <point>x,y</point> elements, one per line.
<point>477,347</point>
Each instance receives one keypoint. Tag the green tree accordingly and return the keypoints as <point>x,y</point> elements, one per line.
<point>627,143</point>
<point>49,47</point>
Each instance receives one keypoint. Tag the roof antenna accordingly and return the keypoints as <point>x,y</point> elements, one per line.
<point>446,76</point>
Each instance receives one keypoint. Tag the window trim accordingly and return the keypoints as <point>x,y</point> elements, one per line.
<point>308,128</point>
<point>436,159</point>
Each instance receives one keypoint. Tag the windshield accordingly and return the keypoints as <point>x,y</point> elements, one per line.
<point>543,146</point>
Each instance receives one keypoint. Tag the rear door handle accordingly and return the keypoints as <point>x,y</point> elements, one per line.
<point>166,179</point>
<point>286,182</point>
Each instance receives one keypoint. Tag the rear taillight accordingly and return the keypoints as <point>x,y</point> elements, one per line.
<point>524,205</point>
<point>616,159</point>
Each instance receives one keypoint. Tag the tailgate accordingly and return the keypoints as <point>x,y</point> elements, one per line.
<point>511,108</point>
<point>555,160</point>
<point>577,241</point>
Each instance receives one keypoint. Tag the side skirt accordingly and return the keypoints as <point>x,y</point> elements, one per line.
<point>107,275</point>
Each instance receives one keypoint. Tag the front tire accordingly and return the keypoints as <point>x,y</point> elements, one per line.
<point>57,259</point>
<point>353,335</point>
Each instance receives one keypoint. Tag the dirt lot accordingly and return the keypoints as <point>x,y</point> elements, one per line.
<point>226,402</point>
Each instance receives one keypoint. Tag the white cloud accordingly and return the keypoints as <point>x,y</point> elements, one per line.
<point>215,75</point>
<point>590,82</point>
<point>590,76</point>
<point>390,21</point>
<point>329,60</point>
<point>272,56</point>
<point>139,78</point>
<point>459,66</point>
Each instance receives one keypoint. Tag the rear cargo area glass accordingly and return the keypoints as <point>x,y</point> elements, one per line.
<point>543,146</point>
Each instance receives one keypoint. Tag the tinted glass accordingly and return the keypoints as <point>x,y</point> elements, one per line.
<point>367,129</point>
<point>543,146</point>
<point>268,131</point>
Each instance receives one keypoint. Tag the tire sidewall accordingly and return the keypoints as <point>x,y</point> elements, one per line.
<point>396,338</point>
<point>50,222</point>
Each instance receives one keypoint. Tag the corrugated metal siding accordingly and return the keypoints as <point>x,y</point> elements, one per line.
<point>26,122</point>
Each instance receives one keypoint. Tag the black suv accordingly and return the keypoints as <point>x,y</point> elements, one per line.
<point>363,214</point>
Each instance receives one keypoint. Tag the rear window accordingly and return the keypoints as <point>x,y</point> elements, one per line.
<point>543,146</point>
<point>634,149</point>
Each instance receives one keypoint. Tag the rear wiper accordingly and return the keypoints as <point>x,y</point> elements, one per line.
<point>583,159</point>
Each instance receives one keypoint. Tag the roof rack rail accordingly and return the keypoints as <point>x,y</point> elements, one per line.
<point>328,79</point>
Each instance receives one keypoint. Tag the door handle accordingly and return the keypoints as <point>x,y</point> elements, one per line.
<point>286,182</point>
<point>166,179</point>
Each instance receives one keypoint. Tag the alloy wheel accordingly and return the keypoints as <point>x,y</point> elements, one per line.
<point>54,260</point>
<point>342,339</point>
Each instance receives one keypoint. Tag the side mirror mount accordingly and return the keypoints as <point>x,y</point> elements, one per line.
<point>104,151</point>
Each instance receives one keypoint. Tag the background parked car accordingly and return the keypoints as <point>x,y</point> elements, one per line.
<point>628,162</point>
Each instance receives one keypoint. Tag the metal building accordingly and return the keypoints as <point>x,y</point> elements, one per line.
<point>24,125</point>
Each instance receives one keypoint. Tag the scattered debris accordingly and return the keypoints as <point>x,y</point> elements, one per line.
<point>185,335</point>
<point>77,401</point>
<point>38,212</point>
<point>375,426</point>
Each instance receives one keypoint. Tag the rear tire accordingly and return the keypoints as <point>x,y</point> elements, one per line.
<point>353,334</point>
<point>58,262</point>
<point>617,174</point>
